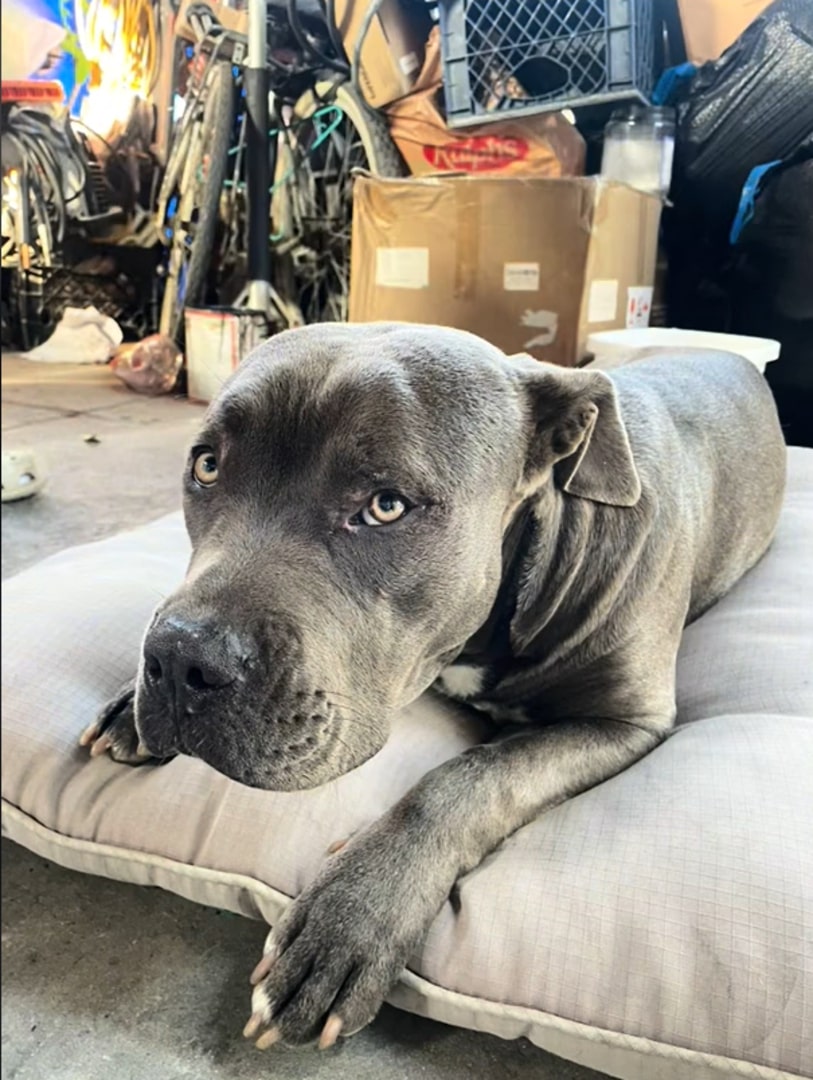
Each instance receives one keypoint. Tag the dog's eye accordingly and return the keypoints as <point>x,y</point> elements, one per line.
<point>204,468</point>
<point>384,508</point>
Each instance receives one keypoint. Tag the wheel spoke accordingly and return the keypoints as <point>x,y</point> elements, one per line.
<point>322,196</point>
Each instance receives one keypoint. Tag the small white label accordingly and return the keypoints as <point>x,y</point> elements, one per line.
<point>639,305</point>
<point>546,322</point>
<point>520,277</point>
<point>409,63</point>
<point>402,268</point>
<point>603,302</point>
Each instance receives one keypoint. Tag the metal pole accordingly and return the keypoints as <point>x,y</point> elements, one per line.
<point>258,171</point>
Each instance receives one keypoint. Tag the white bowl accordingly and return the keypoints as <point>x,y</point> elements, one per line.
<point>613,347</point>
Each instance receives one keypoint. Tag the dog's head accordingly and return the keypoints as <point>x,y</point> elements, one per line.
<point>347,501</point>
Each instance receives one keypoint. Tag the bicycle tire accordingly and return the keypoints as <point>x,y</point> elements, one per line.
<point>215,142</point>
<point>172,171</point>
<point>319,284</point>
<point>178,147</point>
<point>382,153</point>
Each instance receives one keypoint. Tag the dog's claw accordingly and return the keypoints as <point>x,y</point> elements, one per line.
<point>89,734</point>
<point>268,1038</point>
<point>114,731</point>
<point>101,745</point>
<point>253,1026</point>
<point>264,966</point>
<point>330,1032</point>
<point>337,845</point>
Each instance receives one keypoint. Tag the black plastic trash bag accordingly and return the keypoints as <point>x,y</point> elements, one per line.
<point>772,284</point>
<point>753,105</point>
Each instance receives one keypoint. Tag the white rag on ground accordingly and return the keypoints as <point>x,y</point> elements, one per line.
<point>82,336</point>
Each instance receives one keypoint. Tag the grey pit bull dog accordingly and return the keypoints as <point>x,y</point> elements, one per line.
<point>375,510</point>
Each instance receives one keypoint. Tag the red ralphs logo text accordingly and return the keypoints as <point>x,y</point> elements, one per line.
<point>480,153</point>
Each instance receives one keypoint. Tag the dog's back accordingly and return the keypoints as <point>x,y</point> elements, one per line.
<point>706,438</point>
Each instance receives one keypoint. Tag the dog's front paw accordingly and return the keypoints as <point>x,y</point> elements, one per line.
<point>335,954</point>
<point>114,730</point>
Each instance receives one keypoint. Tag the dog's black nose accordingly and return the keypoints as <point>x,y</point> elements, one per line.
<point>193,657</point>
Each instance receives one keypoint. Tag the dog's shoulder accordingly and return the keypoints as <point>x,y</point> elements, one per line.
<point>690,385</point>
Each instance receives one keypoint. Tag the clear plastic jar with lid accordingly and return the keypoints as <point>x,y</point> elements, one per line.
<point>639,145</point>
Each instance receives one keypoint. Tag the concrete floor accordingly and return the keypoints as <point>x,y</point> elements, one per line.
<point>129,476</point>
<point>103,980</point>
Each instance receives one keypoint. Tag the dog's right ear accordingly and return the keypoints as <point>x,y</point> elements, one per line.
<point>574,417</point>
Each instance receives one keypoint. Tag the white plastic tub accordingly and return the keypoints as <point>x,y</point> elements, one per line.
<point>613,347</point>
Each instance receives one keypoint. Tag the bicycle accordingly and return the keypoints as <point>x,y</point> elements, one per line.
<point>323,130</point>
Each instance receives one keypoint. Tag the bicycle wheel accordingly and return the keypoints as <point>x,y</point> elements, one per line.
<point>194,208</point>
<point>332,132</point>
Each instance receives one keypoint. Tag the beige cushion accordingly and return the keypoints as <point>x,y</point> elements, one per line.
<point>658,926</point>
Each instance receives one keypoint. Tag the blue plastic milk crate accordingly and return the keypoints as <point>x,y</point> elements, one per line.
<point>530,56</point>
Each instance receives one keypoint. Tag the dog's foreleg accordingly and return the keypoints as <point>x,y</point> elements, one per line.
<point>478,799</point>
<point>342,943</point>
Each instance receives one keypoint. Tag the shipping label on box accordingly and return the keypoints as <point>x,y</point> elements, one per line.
<point>602,301</point>
<point>402,268</point>
<point>520,277</point>
<point>639,306</point>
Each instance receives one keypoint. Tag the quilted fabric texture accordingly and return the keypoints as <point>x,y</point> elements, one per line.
<point>658,926</point>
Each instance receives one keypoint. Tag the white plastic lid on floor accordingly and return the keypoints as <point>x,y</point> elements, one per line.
<point>613,347</point>
<point>23,474</point>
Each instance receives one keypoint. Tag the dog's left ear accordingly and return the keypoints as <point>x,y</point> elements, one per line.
<point>574,418</point>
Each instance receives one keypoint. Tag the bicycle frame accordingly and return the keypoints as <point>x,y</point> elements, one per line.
<point>290,232</point>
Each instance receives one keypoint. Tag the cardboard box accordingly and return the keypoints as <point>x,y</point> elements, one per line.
<point>393,51</point>
<point>710,26</point>
<point>531,265</point>
<point>545,145</point>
